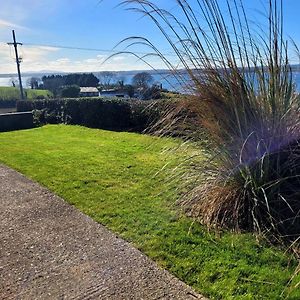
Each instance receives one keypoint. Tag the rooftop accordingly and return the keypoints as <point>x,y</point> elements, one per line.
<point>88,90</point>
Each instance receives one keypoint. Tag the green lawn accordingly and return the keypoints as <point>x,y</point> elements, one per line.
<point>13,93</point>
<point>110,177</point>
<point>33,94</point>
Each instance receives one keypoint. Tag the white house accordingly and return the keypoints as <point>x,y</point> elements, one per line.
<point>89,92</point>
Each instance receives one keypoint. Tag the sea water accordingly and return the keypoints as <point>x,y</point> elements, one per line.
<point>166,79</point>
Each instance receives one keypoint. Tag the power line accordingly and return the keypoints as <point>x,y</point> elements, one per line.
<point>108,51</point>
<point>70,47</point>
<point>88,49</point>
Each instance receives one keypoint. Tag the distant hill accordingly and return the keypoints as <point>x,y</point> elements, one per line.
<point>47,73</point>
<point>295,68</point>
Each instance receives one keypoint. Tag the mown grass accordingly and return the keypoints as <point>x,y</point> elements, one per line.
<point>33,94</point>
<point>13,93</point>
<point>110,177</point>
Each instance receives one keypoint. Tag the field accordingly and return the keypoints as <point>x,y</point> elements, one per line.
<point>13,93</point>
<point>116,179</point>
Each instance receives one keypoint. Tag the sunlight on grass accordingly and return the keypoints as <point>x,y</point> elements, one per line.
<point>13,93</point>
<point>110,177</point>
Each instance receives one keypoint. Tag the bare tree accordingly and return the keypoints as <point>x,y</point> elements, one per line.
<point>13,81</point>
<point>106,78</point>
<point>142,80</point>
<point>33,82</point>
<point>120,80</point>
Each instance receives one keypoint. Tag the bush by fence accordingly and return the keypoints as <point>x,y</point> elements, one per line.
<point>104,113</point>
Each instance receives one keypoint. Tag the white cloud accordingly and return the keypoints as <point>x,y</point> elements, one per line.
<point>63,60</point>
<point>48,48</point>
<point>6,24</point>
<point>40,58</point>
<point>29,55</point>
<point>7,58</point>
<point>101,56</point>
<point>118,58</point>
<point>33,54</point>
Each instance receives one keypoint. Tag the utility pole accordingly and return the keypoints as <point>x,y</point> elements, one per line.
<point>18,60</point>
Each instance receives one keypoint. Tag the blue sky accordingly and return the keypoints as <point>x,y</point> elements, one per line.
<point>92,24</point>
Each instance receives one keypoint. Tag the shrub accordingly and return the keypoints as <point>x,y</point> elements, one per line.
<point>71,91</point>
<point>40,97</point>
<point>152,92</point>
<point>245,109</point>
<point>113,114</point>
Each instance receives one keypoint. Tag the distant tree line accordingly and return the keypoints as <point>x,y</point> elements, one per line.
<point>68,86</point>
<point>141,85</point>
<point>56,83</point>
<point>32,82</point>
<point>145,89</point>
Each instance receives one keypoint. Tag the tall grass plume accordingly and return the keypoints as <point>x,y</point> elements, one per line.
<point>244,108</point>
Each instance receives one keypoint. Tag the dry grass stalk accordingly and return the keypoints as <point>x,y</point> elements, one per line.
<point>244,106</point>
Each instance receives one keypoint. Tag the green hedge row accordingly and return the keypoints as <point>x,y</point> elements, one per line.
<point>104,113</point>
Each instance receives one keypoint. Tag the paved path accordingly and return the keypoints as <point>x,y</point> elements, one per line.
<point>49,250</point>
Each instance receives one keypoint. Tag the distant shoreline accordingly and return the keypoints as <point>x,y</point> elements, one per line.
<point>164,77</point>
<point>295,68</point>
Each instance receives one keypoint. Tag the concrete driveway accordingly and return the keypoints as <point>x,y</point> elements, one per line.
<point>50,250</point>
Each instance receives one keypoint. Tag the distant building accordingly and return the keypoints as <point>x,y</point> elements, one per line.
<point>114,93</point>
<point>89,92</point>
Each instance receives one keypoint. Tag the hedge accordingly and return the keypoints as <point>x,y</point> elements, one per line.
<point>104,113</point>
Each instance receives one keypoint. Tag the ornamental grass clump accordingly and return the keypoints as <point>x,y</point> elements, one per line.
<point>246,112</point>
